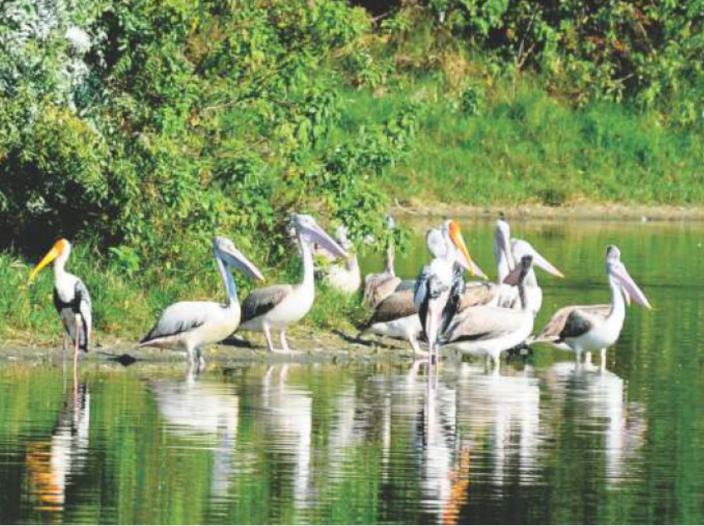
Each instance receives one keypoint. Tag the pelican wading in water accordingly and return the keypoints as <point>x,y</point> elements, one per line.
<point>584,329</point>
<point>397,315</point>
<point>190,325</point>
<point>486,329</point>
<point>507,251</point>
<point>71,299</point>
<point>279,306</point>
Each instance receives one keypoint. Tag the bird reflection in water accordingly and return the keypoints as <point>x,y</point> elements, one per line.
<point>446,453</point>
<point>599,403</point>
<point>52,462</point>
<point>204,413</point>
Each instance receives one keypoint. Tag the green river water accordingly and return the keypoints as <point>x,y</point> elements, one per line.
<point>539,442</point>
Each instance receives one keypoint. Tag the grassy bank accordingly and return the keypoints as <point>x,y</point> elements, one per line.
<point>526,147</point>
<point>125,308</point>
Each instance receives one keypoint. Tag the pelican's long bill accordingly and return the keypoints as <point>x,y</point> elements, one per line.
<point>516,276</point>
<point>236,259</point>
<point>319,236</point>
<point>458,240</point>
<point>55,252</point>
<point>540,261</point>
<point>629,286</point>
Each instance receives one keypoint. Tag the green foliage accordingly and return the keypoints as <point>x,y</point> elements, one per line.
<point>187,119</point>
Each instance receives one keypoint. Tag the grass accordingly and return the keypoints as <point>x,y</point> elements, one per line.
<point>125,308</point>
<point>525,147</point>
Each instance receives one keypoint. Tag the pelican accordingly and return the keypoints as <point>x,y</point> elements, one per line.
<point>346,277</point>
<point>279,306</point>
<point>378,287</point>
<point>507,251</point>
<point>491,330</point>
<point>190,325</point>
<point>520,248</point>
<point>397,315</point>
<point>71,298</point>
<point>597,327</point>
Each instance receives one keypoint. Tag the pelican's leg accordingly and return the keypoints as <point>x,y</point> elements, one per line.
<point>602,365</point>
<point>284,343</point>
<point>201,360</point>
<point>588,358</point>
<point>267,335</point>
<point>416,346</point>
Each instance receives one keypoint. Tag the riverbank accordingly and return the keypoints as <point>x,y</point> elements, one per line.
<point>577,211</point>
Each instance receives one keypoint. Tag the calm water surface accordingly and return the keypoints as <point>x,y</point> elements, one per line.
<point>250,443</point>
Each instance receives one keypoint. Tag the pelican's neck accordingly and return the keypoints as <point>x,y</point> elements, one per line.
<point>307,255</point>
<point>618,305</point>
<point>530,280</point>
<point>228,282</point>
<point>390,254</point>
<point>503,267</point>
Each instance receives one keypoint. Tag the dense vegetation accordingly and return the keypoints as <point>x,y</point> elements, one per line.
<point>142,127</point>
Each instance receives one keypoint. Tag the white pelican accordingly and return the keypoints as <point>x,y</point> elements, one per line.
<point>397,315</point>
<point>378,287</point>
<point>344,277</point>
<point>520,248</point>
<point>278,306</point>
<point>71,298</point>
<point>190,325</point>
<point>491,330</point>
<point>591,328</point>
<point>507,251</point>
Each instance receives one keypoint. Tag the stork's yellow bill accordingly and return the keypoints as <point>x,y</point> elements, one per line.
<point>55,252</point>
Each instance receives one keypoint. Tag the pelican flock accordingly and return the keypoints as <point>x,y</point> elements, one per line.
<point>439,309</point>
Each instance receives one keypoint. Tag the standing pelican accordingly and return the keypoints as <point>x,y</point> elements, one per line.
<point>397,315</point>
<point>592,328</point>
<point>378,287</point>
<point>71,298</point>
<point>278,306</point>
<point>507,251</point>
<point>520,248</point>
<point>190,325</point>
<point>344,277</point>
<point>491,330</point>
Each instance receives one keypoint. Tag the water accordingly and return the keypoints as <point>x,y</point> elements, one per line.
<point>368,443</point>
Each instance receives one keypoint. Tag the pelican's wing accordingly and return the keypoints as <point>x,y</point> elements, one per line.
<point>557,328</point>
<point>477,293</point>
<point>483,323</point>
<point>377,287</point>
<point>396,306</point>
<point>179,318</point>
<point>261,301</point>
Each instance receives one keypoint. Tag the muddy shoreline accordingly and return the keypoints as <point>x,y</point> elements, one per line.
<point>577,211</point>
<point>313,347</point>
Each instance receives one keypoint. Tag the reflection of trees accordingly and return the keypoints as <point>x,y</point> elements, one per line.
<point>52,462</point>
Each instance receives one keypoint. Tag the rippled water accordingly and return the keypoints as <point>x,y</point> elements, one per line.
<point>538,442</point>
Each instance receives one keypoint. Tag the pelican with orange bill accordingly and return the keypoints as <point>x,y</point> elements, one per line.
<point>71,298</point>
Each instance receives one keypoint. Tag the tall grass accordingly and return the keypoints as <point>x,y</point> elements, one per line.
<point>527,147</point>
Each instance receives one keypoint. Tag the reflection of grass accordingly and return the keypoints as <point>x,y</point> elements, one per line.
<point>526,147</point>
